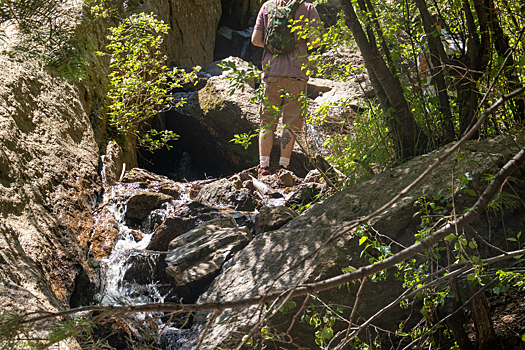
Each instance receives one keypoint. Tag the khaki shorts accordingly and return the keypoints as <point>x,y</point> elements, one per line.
<point>285,92</point>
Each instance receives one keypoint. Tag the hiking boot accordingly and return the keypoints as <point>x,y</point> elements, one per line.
<point>280,169</point>
<point>264,171</point>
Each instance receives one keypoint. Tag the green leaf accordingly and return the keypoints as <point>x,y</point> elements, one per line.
<point>471,192</point>
<point>362,240</point>
<point>450,238</point>
<point>327,333</point>
<point>477,260</point>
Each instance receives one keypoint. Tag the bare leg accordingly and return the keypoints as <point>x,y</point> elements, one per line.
<point>265,142</point>
<point>287,142</point>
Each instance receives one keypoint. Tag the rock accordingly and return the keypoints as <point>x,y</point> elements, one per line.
<point>193,24</point>
<point>170,229</point>
<point>313,176</point>
<point>111,164</point>
<point>238,13</point>
<point>286,178</point>
<point>196,257</point>
<point>273,218</point>
<point>305,194</point>
<point>104,235</point>
<point>206,123</point>
<point>48,185</point>
<point>236,43</point>
<point>266,263</point>
<point>146,267</point>
<point>142,202</point>
<point>328,12</point>
<point>156,183</point>
<point>224,193</point>
<point>236,181</point>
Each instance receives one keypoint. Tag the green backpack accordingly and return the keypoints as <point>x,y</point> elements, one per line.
<point>278,38</point>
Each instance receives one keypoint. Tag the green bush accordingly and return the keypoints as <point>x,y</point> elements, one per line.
<point>140,81</point>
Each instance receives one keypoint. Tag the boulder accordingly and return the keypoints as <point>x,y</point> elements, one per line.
<point>273,260</point>
<point>305,194</point>
<point>156,183</point>
<point>273,218</point>
<point>224,193</point>
<point>111,164</point>
<point>142,202</point>
<point>197,256</point>
<point>286,178</point>
<point>170,229</point>
<point>206,123</point>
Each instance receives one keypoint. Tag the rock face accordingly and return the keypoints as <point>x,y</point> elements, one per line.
<point>50,135</point>
<point>238,14</point>
<point>193,24</point>
<point>266,263</point>
<point>49,183</point>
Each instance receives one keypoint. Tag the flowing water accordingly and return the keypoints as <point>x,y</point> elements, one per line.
<point>129,273</point>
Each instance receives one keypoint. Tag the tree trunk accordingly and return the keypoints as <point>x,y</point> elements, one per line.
<point>483,323</point>
<point>407,136</point>
<point>437,51</point>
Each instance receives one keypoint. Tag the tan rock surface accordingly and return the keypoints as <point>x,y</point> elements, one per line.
<point>48,164</point>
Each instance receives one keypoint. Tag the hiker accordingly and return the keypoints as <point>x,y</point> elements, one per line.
<point>284,73</point>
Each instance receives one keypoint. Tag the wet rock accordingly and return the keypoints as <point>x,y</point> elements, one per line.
<point>236,43</point>
<point>170,229</point>
<point>273,218</point>
<point>104,235</point>
<point>197,256</point>
<point>142,203</point>
<point>224,193</point>
<point>111,164</point>
<point>140,178</point>
<point>84,290</point>
<point>146,268</point>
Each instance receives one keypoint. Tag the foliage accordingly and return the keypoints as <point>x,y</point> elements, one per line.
<point>322,320</point>
<point>140,82</point>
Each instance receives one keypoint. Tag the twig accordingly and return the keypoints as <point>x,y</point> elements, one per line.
<point>482,289</point>
<point>352,314</point>
<point>208,325</point>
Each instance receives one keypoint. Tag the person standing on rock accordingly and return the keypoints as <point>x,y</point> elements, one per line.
<point>284,73</point>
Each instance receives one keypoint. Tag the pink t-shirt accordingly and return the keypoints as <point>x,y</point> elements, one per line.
<point>287,65</point>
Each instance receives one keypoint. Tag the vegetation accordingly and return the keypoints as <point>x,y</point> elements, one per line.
<point>140,82</point>
<point>401,123</point>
